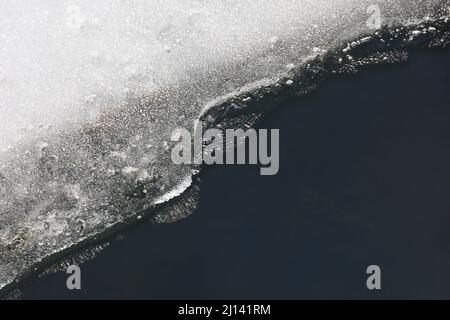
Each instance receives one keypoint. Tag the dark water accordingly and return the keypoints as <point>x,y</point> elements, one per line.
<point>364,179</point>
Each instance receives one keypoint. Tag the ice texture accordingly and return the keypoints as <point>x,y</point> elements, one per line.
<point>90,92</point>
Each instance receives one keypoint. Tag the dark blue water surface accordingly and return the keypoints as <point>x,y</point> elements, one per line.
<point>364,179</point>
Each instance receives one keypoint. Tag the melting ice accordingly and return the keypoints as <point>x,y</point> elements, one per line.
<point>90,92</point>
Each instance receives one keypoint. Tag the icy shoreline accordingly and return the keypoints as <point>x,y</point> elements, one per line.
<point>70,191</point>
